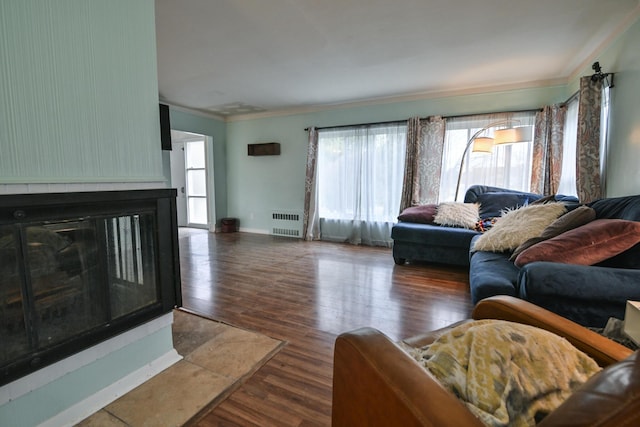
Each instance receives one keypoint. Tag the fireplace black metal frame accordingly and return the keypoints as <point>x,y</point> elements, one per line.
<point>24,209</point>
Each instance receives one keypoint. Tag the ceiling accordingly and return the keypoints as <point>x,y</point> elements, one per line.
<point>239,57</point>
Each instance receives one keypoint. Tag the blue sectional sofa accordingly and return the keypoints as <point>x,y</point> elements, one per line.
<point>586,294</point>
<point>450,245</point>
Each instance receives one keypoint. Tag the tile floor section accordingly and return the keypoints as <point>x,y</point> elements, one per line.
<point>218,358</point>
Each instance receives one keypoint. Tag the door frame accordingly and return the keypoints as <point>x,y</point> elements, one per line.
<point>183,137</point>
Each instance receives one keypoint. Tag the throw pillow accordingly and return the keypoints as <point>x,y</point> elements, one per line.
<point>423,214</point>
<point>517,226</point>
<point>506,373</point>
<point>577,217</point>
<point>545,199</point>
<point>586,245</point>
<point>456,214</point>
<point>492,204</point>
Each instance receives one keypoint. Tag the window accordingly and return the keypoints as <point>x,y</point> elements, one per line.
<point>507,166</point>
<point>360,173</point>
<point>604,133</point>
<point>196,182</point>
<point>567,185</point>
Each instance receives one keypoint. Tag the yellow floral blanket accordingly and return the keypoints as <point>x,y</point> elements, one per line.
<point>508,374</point>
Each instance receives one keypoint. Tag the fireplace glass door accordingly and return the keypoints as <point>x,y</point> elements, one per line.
<point>65,279</point>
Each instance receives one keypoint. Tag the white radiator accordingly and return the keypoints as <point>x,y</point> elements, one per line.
<point>286,223</point>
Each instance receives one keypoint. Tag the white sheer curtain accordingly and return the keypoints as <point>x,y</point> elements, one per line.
<point>604,135</point>
<point>359,182</point>
<point>508,166</point>
<point>567,184</point>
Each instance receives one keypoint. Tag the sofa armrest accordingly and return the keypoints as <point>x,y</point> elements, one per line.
<point>603,350</point>
<point>375,383</point>
<point>609,398</point>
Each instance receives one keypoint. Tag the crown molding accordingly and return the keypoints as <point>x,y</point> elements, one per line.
<point>622,27</point>
<point>419,96</point>
<point>195,111</point>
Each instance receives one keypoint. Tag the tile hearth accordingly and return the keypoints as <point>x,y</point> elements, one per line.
<point>217,359</point>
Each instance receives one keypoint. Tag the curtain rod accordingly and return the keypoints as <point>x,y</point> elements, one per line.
<point>572,97</point>
<point>359,124</point>
<point>577,93</point>
<point>424,118</point>
<point>531,110</point>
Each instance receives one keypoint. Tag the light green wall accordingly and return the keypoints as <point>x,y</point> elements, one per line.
<point>256,185</point>
<point>79,92</point>
<point>191,122</point>
<point>623,58</point>
<point>79,104</point>
<point>38,406</point>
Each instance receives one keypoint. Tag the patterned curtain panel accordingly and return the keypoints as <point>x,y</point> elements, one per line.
<point>413,138</point>
<point>588,141</point>
<point>547,150</point>
<point>311,219</point>
<point>425,142</point>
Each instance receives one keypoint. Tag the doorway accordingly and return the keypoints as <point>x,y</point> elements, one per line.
<point>189,177</point>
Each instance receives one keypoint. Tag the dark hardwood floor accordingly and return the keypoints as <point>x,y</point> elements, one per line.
<point>306,293</point>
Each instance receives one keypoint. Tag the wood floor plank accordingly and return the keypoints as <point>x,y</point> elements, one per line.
<point>306,294</point>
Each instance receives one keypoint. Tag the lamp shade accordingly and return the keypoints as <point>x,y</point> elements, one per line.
<point>512,135</point>
<point>482,145</point>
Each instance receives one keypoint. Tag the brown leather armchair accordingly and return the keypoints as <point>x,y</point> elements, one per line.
<point>375,383</point>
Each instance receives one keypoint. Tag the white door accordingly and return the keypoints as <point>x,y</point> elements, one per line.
<point>189,176</point>
<point>179,181</point>
<point>196,175</point>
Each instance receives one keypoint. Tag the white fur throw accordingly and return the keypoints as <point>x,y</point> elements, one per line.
<point>516,226</point>
<point>456,214</point>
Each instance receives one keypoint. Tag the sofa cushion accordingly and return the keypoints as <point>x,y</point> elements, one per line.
<point>473,192</point>
<point>456,214</point>
<point>423,214</point>
<point>492,204</point>
<point>433,235</point>
<point>507,373</point>
<point>518,225</point>
<point>629,259</point>
<point>586,245</point>
<point>491,273</point>
<point>627,207</point>
<point>545,199</point>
